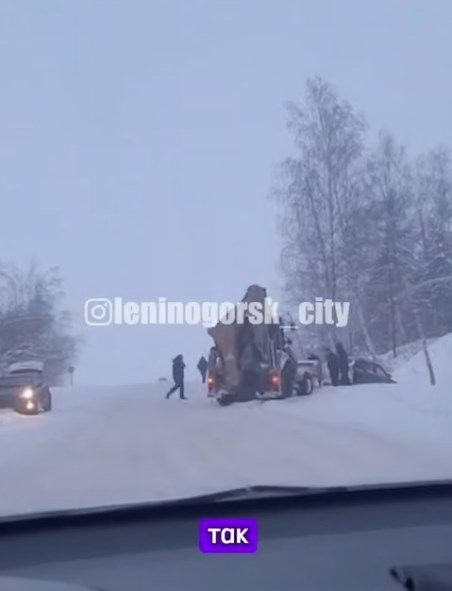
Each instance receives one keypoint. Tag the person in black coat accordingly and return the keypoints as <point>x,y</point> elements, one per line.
<point>332,361</point>
<point>343,363</point>
<point>202,366</point>
<point>178,377</point>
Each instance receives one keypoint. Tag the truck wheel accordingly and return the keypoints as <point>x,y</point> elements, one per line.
<point>308,385</point>
<point>226,400</point>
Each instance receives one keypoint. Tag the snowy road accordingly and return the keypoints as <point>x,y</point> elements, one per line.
<point>112,445</point>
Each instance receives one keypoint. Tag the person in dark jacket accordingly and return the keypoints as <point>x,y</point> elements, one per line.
<point>343,363</point>
<point>202,366</point>
<point>178,377</point>
<point>332,362</point>
<point>250,364</point>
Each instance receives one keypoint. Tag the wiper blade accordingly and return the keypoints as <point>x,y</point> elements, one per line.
<point>275,491</point>
<point>246,493</point>
<point>267,491</point>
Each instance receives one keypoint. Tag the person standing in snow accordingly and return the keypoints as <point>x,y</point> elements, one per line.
<point>343,363</point>
<point>202,366</point>
<point>332,361</point>
<point>178,377</point>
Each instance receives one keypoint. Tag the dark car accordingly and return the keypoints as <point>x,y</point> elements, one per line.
<point>369,372</point>
<point>23,389</point>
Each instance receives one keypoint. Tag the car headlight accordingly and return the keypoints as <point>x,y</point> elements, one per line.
<point>27,394</point>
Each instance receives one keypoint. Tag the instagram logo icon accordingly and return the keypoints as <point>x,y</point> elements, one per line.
<point>98,312</point>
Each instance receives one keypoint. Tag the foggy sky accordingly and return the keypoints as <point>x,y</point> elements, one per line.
<point>139,141</point>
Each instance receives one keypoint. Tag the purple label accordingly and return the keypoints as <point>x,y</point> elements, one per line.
<point>228,535</point>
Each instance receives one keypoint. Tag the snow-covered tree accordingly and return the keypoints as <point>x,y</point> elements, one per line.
<point>32,322</point>
<point>318,191</point>
<point>434,198</point>
<point>389,183</point>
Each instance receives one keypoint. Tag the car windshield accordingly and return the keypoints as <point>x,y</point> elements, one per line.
<point>19,378</point>
<point>227,241</point>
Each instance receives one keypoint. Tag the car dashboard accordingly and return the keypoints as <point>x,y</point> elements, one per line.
<point>343,540</point>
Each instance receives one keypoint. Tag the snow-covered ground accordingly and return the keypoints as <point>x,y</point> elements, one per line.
<point>104,446</point>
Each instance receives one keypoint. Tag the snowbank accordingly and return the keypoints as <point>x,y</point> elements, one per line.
<point>414,371</point>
